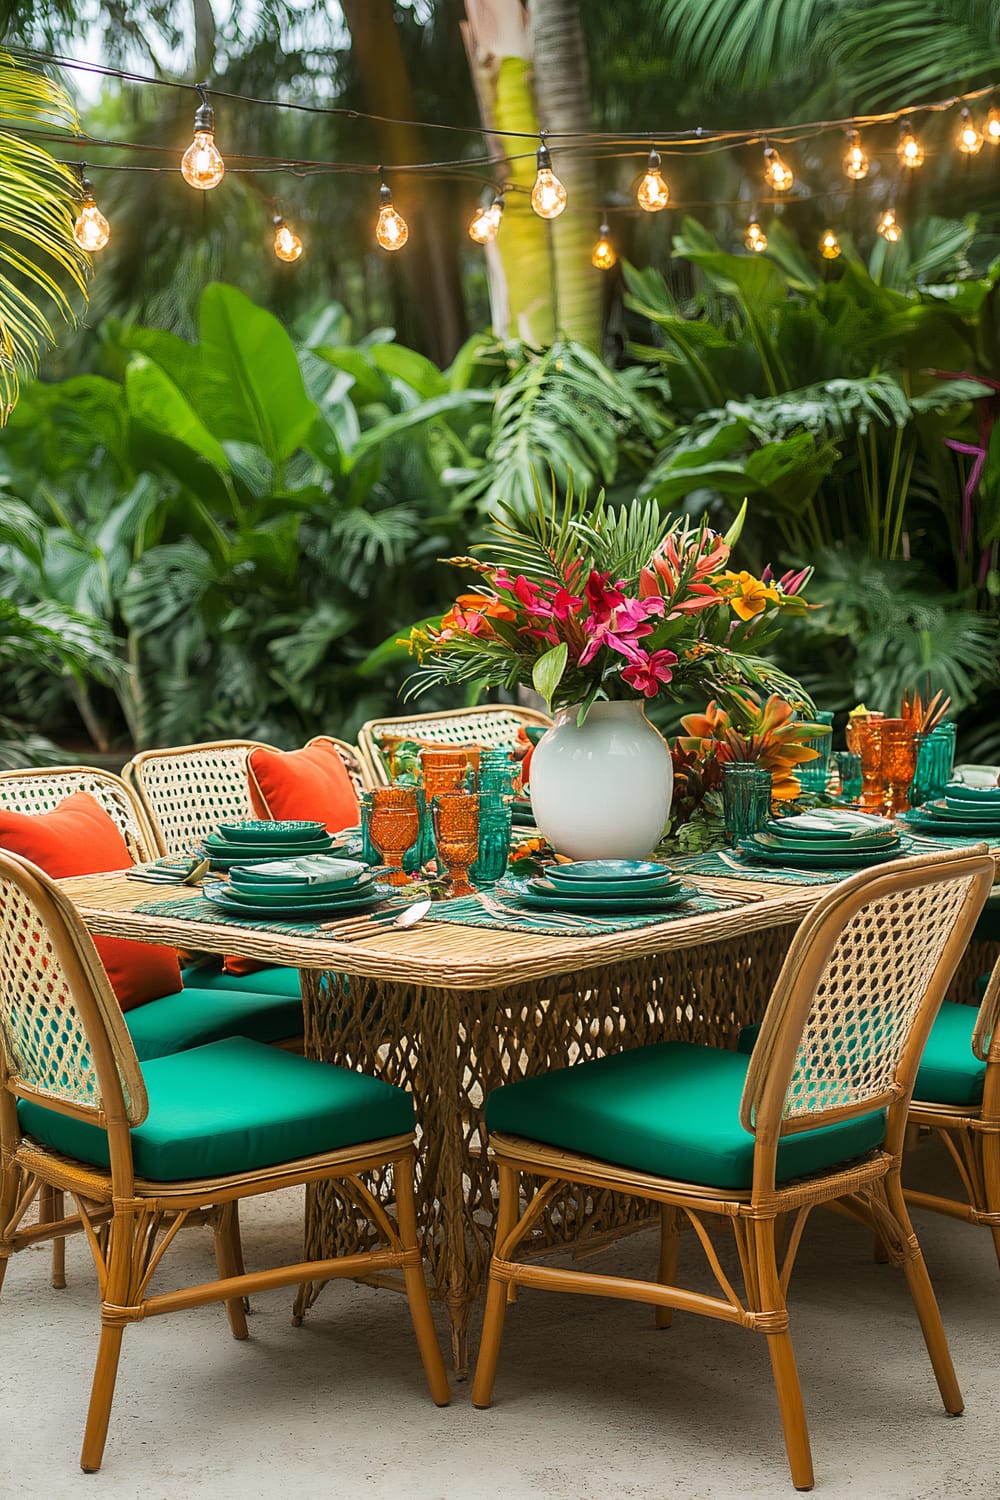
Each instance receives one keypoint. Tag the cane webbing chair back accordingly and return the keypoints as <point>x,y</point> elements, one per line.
<point>353,761</point>
<point>63,1039</point>
<point>491,727</point>
<point>858,992</point>
<point>986,1034</point>
<point>188,790</point>
<point>42,789</point>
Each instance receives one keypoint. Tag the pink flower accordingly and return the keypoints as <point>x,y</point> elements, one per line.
<point>622,629</point>
<point>792,581</point>
<point>565,604</point>
<point>602,599</point>
<point>645,673</point>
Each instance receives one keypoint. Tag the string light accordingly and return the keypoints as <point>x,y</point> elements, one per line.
<point>202,165</point>
<point>653,193</point>
<point>970,139</point>
<point>603,255</point>
<point>909,151</point>
<point>829,245</point>
<point>855,162</point>
<point>888,226</point>
<point>91,229</point>
<point>486,221</point>
<point>755,239</point>
<point>776,174</point>
<point>991,129</point>
<point>391,229</point>
<point>548,196</point>
<point>287,245</point>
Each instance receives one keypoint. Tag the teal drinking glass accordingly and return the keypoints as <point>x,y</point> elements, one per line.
<point>935,758</point>
<point>848,767</point>
<point>746,799</point>
<point>814,774</point>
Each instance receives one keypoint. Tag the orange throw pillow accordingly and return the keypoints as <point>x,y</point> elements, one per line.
<point>79,838</point>
<point>309,783</point>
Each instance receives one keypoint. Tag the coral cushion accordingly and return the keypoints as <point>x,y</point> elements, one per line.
<point>309,783</point>
<point>79,838</point>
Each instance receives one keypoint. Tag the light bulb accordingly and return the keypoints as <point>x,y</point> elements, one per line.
<point>91,229</point>
<point>970,138</point>
<point>202,165</point>
<point>391,230</point>
<point>603,255</point>
<point>287,245</point>
<point>829,245</point>
<point>486,222</point>
<point>991,129</point>
<point>888,226</point>
<point>776,174</point>
<point>653,193</point>
<point>755,239</point>
<point>909,151</point>
<point>548,196</point>
<point>855,162</point>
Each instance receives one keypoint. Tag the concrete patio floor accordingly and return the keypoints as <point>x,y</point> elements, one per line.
<point>592,1403</point>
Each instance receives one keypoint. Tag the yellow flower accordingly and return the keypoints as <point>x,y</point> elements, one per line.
<point>747,595</point>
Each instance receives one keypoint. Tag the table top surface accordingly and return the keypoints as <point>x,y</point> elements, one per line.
<point>442,954</point>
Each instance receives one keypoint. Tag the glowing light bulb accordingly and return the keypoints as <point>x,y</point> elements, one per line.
<point>287,245</point>
<point>202,165</point>
<point>652,192</point>
<point>855,162</point>
<point>909,151</point>
<point>755,239</point>
<point>391,230</point>
<point>888,227</point>
<point>829,245</point>
<point>548,196</point>
<point>776,174</point>
<point>991,129</point>
<point>603,255</point>
<point>486,222</point>
<point>970,138</point>
<point>91,229</point>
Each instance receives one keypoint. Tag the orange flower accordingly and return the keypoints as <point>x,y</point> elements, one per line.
<point>470,613</point>
<point>768,735</point>
<point>747,595</point>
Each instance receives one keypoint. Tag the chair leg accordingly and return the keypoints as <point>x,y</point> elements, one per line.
<point>416,1286</point>
<point>117,1295</point>
<point>769,1297</point>
<point>496,1297</point>
<point>229,1259</point>
<point>990,1148</point>
<point>51,1208</point>
<point>669,1248</point>
<point>924,1300</point>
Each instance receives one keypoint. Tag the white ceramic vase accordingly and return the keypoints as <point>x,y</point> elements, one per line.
<point>602,790</point>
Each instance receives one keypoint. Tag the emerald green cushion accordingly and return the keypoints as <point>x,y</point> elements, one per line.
<point>235,1106</point>
<point>671,1109</point>
<point>950,1072</point>
<point>277,979</point>
<point>987,928</point>
<point>192,1017</point>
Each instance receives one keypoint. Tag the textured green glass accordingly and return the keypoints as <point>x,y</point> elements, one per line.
<point>746,799</point>
<point>935,757</point>
<point>814,774</point>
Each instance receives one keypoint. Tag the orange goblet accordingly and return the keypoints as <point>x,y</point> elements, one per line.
<point>899,762</point>
<point>393,827</point>
<point>456,833</point>
<point>443,770</point>
<point>867,742</point>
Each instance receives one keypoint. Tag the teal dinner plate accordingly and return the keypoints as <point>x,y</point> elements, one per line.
<point>654,886</point>
<point>289,895</point>
<point>609,869</point>
<point>237,905</point>
<point>979,797</point>
<point>771,835</point>
<point>256,853</point>
<point>951,828</point>
<point>809,859</point>
<point>947,814</point>
<point>830,823</point>
<point>260,830</point>
<point>524,892</point>
<point>309,869</point>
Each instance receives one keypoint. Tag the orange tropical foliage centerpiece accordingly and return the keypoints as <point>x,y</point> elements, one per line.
<point>763,734</point>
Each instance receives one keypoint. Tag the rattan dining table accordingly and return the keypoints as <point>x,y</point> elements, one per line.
<point>451,1011</point>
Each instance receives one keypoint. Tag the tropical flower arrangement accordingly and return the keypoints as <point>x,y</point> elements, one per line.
<point>585,602</point>
<point>761,734</point>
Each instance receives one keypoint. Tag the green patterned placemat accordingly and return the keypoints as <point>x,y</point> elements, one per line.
<point>197,909</point>
<point>469,912</point>
<point>724,864</point>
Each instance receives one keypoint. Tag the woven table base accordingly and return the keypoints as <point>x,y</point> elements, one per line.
<point>450,1048</point>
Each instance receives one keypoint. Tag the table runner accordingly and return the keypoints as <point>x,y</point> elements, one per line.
<point>468,911</point>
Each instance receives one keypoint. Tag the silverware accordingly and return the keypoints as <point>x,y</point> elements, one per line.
<point>365,926</point>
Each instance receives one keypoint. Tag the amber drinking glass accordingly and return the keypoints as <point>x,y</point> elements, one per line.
<point>393,826</point>
<point>899,762</point>
<point>443,770</point>
<point>866,735</point>
<point>456,832</point>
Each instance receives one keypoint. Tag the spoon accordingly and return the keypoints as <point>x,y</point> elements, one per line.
<point>366,925</point>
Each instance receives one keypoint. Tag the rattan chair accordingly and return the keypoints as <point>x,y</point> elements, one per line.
<point>77,1112</point>
<point>957,1096</point>
<point>42,788</point>
<point>720,1136</point>
<point>493,727</point>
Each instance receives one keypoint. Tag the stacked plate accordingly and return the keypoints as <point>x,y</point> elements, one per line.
<point>826,839</point>
<point>239,843</point>
<point>599,886</point>
<point>314,885</point>
<point>961,811</point>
